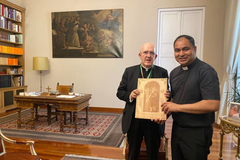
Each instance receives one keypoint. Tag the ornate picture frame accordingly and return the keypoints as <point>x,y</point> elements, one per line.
<point>87,34</point>
<point>148,103</point>
<point>234,112</point>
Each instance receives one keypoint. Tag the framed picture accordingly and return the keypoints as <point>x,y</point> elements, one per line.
<point>234,111</point>
<point>148,103</point>
<point>87,34</point>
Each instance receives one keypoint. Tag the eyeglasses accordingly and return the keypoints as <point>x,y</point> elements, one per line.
<point>145,53</point>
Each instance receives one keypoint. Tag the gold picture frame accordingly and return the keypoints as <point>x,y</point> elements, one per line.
<point>234,112</point>
<point>87,34</point>
<point>148,103</point>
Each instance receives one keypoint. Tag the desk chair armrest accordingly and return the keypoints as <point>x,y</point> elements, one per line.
<point>22,142</point>
<point>166,146</point>
<point>124,147</point>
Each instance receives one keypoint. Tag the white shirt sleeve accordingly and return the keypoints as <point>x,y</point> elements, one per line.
<point>130,100</point>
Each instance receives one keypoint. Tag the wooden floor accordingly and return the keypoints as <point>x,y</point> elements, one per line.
<point>49,150</point>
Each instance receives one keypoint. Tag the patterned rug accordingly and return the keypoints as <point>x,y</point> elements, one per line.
<point>102,129</point>
<point>79,157</point>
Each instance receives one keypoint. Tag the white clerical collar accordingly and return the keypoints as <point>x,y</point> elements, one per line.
<point>147,68</point>
<point>185,68</point>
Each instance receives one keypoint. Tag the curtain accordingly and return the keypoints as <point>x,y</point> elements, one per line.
<point>238,76</point>
<point>231,53</point>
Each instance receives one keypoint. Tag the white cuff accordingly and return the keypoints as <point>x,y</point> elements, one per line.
<point>130,100</point>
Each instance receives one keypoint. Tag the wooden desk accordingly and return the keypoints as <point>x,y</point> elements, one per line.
<point>228,126</point>
<point>74,105</point>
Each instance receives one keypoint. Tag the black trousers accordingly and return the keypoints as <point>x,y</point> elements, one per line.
<point>191,143</point>
<point>150,131</point>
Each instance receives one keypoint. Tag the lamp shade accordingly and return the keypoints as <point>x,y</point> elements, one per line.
<point>40,63</point>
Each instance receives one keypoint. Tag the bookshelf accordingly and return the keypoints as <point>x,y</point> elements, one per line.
<point>12,65</point>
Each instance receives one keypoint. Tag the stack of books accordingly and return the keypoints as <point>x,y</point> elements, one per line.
<point>8,61</point>
<point>8,24</point>
<point>11,37</point>
<point>14,50</point>
<point>14,71</point>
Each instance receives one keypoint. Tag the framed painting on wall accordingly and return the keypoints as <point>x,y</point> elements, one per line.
<point>87,34</point>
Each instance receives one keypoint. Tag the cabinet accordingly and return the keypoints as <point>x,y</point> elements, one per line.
<point>12,65</point>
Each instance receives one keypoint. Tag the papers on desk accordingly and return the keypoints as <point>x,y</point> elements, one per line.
<point>29,93</point>
<point>65,96</point>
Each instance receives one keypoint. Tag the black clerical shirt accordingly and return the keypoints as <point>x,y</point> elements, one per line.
<point>198,82</point>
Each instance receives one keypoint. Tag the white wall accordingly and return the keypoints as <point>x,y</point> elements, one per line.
<point>101,77</point>
<point>12,1</point>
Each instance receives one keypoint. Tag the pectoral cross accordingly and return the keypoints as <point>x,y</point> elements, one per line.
<point>48,90</point>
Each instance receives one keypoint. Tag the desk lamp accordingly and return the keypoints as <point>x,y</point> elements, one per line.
<point>40,64</point>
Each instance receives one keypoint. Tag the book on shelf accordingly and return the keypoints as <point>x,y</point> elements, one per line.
<point>4,36</point>
<point>3,61</point>
<point>13,84</point>
<point>18,16</point>
<point>9,13</point>
<point>6,11</point>
<point>2,22</point>
<point>14,14</point>
<point>20,71</point>
<point>10,61</point>
<point>19,38</point>
<point>12,38</point>
<point>18,80</point>
<point>15,61</point>
<point>10,71</point>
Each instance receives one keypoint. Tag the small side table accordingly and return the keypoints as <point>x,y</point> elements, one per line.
<point>228,126</point>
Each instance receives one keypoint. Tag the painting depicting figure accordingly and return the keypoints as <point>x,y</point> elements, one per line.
<point>151,97</point>
<point>234,111</point>
<point>88,34</point>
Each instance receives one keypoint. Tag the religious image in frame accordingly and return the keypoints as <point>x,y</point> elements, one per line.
<point>87,34</point>
<point>148,103</point>
<point>234,112</point>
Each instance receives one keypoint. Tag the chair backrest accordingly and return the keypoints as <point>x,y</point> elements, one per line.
<point>65,89</point>
<point>2,148</point>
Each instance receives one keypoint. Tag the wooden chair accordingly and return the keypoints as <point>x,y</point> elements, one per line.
<point>63,90</point>
<point>163,150</point>
<point>17,155</point>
